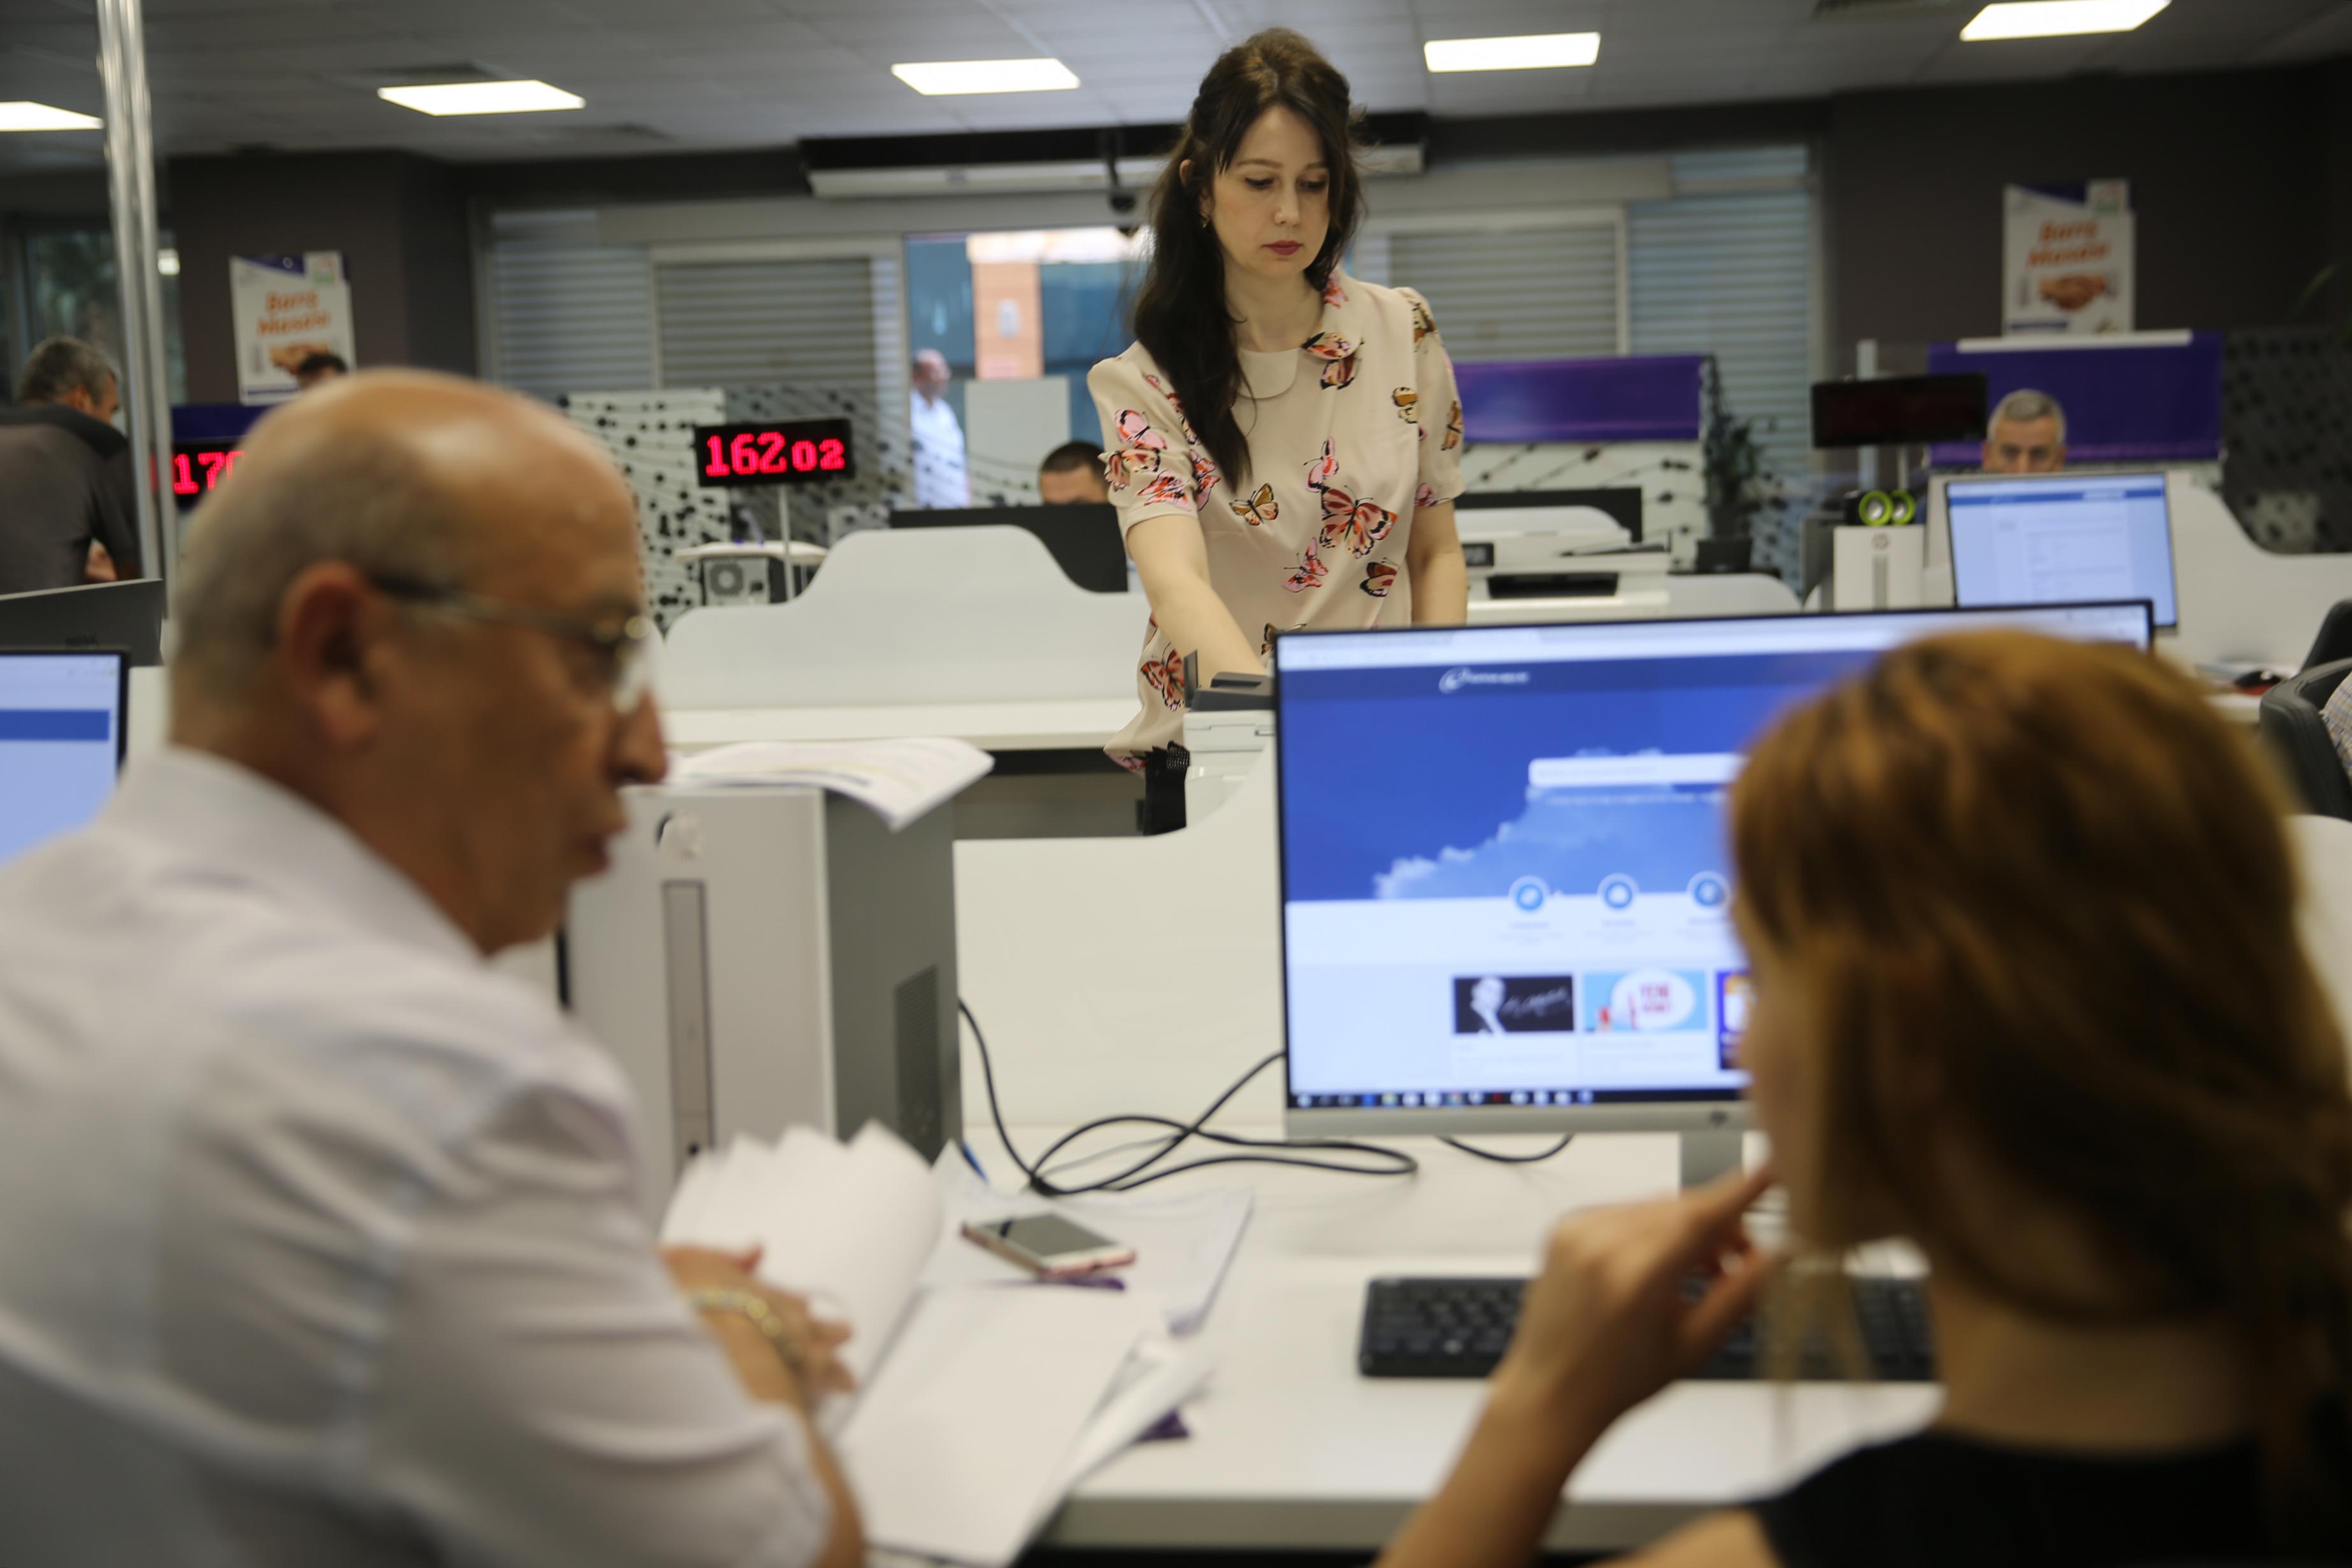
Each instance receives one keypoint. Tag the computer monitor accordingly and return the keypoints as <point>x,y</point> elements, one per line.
<point>61,738</point>
<point>126,615</point>
<point>2051,539</point>
<point>1506,884</point>
<point>1085,539</point>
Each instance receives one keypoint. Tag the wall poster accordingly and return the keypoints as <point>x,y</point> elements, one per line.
<point>286,309</point>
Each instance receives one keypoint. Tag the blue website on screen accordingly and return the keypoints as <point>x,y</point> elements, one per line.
<point>60,735</point>
<point>2054,540</point>
<point>1506,874</point>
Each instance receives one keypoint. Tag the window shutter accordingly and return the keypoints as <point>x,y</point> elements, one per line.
<point>1545,293</point>
<point>1726,268</point>
<point>568,312</point>
<point>752,323</point>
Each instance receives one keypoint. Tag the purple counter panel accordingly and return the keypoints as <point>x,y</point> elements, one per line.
<point>2153,404</point>
<point>1655,397</point>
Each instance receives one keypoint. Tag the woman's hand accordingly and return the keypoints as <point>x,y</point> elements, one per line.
<point>808,1365</point>
<point>1600,1329</point>
<point>1607,1324</point>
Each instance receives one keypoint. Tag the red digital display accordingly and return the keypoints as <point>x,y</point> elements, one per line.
<point>197,471</point>
<point>794,453</point>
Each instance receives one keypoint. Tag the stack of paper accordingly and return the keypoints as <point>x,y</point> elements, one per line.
<point>898,780</point>
<point>980,1405</point>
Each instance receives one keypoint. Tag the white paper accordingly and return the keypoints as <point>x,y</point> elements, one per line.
<point>848,1227</point>
<point>897,780</point>
<point>1159,1376</point>
<point>955,1450</point>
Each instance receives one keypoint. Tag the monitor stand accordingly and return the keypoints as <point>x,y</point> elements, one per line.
<point>1707,1155</point>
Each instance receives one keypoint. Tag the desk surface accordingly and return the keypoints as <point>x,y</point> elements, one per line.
<point>1093,1003</point>
<point>1291,1449</point>
<point>1072,724</point>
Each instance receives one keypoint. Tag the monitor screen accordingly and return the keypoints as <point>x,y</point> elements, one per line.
<point>60,742</point>
<point>2049,539</point>
<point>1506,882</point>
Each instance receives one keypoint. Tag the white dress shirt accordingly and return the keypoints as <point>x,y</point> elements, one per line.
<point>320,1240</point>
<point>939,478</point>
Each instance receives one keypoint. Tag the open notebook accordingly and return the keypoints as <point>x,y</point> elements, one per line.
<point>980,1405</point>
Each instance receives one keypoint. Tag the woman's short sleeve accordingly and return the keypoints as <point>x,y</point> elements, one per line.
<point>1149,458</point>
<point>1441,405</point>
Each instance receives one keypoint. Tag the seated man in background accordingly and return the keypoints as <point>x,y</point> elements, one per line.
<point>2027,435</point>
<point>67,512</point>
<point>318,369</point>
<point>321,1240</point>
<point>1072,475</point>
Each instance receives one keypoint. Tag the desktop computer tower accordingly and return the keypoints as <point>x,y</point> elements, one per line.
<point>761,958</point>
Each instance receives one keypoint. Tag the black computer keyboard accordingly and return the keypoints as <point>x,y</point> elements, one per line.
<point>1460,1327</point>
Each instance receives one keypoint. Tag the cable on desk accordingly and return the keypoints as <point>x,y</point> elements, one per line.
<point>1565,1140</point>
<point>1398,1164</point>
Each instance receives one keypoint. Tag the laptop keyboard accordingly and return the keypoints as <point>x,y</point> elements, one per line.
<point>1461,1327</point>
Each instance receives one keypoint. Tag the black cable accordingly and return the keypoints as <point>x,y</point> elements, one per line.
<point>1565,1140</point>
<point>1403,1165</point>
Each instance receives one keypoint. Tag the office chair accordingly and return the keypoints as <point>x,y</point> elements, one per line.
<point>2291,725</point>
<point>2335,638</point>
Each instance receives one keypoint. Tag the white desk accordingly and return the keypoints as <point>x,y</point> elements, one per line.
<point>1082,723</point>
<point>1291,1449</point>
<point>1097,998</point>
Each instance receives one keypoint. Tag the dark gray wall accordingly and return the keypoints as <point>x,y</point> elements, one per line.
<point>400,220</point>
<point>2237,180</point>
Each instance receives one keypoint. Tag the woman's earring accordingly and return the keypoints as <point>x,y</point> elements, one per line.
<point>1205,220</point>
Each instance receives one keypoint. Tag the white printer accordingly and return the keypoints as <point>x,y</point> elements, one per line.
<point>756,958</point>
<point>1521,556</point>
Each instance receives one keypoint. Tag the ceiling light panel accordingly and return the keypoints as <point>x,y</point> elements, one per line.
<point>938,78</point>
<point>23,116</point>
<point>2058,18</point>
<point>1534,51</point>
<point>481,98</point>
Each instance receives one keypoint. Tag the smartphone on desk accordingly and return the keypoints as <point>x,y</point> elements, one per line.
<point>1048,1245</point>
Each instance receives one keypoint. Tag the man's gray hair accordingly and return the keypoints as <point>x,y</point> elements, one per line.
<point>64,365</point>
<point>2025,405</point>
<point>362,501</point>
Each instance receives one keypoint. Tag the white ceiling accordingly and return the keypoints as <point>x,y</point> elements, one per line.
<point>703,74</point>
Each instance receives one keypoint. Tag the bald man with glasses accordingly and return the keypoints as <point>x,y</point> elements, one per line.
<point>321,1241</point>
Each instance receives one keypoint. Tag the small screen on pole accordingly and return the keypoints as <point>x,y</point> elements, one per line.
<point>199,468</point>
<point>795,452</point>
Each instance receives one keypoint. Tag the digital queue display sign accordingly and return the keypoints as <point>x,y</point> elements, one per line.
<point>788,452</point>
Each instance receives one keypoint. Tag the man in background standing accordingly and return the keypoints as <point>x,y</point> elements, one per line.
<point>1072,475</point>
<point>2027,435</point>
<point>939,480</point>
<point>66,511</point>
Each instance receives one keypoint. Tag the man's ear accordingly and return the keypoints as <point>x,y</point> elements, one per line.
<point>334,630</point>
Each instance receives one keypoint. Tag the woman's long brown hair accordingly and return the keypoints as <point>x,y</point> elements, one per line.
<point>2047,882</point>
<point>1180,315</point>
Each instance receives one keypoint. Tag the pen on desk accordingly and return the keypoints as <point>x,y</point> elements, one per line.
<point>971,1159</point>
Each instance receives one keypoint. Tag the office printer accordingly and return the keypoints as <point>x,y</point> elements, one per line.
<point>758,958</point>
<point>1564,544</point>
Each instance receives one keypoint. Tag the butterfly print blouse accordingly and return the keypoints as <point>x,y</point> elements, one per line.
<point>1348,435</point>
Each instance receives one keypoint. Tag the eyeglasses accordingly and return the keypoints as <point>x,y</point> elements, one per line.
<point>625,645</point>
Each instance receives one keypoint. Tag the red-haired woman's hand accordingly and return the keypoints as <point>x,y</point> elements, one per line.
<point>1609,1321</point>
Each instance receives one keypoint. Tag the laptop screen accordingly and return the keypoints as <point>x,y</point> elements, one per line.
<point>60,742</point>
<point>1506,880</point>
<point>2051,540</point>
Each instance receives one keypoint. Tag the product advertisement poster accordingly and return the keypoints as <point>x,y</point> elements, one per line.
<point>286,309</point>
<point>2067,259</point>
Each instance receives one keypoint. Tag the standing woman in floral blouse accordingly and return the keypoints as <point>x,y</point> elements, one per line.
<point>1283,441</point>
